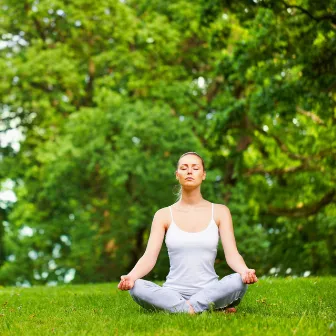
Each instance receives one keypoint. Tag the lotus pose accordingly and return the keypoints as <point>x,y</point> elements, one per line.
<point>191,228</point>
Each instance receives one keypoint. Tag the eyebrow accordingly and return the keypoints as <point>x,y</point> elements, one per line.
<point>185,164</point>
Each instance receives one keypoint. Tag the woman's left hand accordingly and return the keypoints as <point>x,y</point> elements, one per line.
<point>248,276</point>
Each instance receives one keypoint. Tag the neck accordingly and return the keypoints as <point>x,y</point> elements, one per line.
<point>191,197</point>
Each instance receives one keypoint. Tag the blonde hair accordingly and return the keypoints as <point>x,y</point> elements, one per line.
<point>179,192</point>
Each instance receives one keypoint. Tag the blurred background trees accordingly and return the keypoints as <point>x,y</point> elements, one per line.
<point>106,96</point>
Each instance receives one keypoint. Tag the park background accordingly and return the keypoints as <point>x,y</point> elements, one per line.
<point>100,99</point>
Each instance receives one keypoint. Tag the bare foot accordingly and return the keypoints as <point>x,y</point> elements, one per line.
<point>191,309</point>
<point>230,310</point>
<point>227,310</point>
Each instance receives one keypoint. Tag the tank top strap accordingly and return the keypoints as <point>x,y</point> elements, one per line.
<point>212,211</point>
<point>171,213</point>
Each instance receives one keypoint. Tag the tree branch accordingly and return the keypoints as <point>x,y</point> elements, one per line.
<point>316,18</point>
<point>87,99</point>
<point>281,171</point>
<point>304,211</point>
<point>311,115</point>
<point>214,88</point>
<point>36,22</point>
<point>281,145</point>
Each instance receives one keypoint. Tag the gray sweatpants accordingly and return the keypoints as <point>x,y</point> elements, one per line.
<point>226,292</point>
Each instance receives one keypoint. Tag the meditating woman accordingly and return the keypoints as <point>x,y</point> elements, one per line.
<point>192,284</point>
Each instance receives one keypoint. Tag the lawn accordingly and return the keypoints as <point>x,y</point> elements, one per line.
<point>272,306</point>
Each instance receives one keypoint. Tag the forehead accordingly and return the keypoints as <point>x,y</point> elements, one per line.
<point>190,160</point>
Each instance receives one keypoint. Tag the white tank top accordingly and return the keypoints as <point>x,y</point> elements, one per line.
<point>192,257</point>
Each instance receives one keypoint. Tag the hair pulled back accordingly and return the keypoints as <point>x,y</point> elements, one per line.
<point>179,192</point>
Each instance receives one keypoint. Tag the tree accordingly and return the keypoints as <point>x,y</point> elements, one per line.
<point>108,95</point>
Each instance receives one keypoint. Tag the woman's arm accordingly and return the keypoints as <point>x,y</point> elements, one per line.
<point>232,256</point>
<point>147,262</point>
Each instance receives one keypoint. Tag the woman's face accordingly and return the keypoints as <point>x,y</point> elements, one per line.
<point>190,171</point>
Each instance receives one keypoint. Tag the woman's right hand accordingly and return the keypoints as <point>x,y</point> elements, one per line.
<point>126,282</point>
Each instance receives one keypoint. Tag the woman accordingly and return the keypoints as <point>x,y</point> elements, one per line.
<point>192,284</point>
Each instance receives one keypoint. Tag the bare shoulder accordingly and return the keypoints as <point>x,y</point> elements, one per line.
<point>162,217</point>
<point>221,213</point>
<point>221,208</point>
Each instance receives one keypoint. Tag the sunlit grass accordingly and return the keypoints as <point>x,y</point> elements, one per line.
<point>273,306</point>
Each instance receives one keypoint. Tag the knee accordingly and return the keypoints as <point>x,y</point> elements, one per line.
<point>136,289</point>
<point>238,283</point>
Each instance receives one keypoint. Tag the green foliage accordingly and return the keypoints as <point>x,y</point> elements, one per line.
<point>108,95</point>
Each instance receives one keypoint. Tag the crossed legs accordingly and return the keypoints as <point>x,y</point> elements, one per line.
<point>227,292</point>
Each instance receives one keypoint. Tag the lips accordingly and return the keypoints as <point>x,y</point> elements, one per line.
<point>189,178</point>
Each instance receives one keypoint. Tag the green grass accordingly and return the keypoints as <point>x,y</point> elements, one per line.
<point>272,306</point>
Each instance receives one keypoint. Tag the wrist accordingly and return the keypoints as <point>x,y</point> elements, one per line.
<point>131,276</point>
<point>243,270</point>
